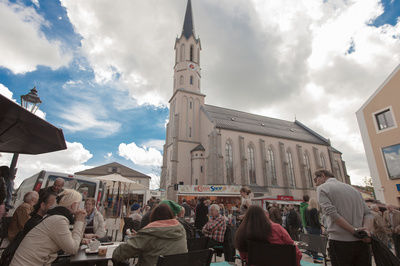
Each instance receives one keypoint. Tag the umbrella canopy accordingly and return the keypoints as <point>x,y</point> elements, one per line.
<point>131,185</point>
<point>23,132</point>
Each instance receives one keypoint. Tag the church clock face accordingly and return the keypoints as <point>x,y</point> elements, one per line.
<point>192,66</point>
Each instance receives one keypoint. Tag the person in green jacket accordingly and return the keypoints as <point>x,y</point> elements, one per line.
<point>164,235</point>
<point>303,209</point>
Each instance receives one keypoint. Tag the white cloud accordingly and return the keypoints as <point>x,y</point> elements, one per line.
<point>155,143</point>
<point>155,181</point>
<point>71,160</point>
<point>6,92</point>
<point>82,117</point>
<point>140,155</point>
<point>23,46</point>
<point>292,56</point>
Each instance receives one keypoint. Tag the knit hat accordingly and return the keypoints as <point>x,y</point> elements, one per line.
<point>175,208</point>
<point>135,207</point>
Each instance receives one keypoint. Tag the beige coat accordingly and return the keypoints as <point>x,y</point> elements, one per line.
<point>395,219</point>
<point>20,217</point>
<point>99,227</point>
<point>40,245</point>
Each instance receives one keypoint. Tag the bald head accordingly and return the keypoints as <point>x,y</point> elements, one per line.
<point>31,197</point>
<point>58,185</point>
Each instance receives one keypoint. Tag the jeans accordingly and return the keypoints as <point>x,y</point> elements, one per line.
<point>354,253</point>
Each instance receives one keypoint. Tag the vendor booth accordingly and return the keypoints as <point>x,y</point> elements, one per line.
<point>227,195</point>
<point>279,199</point>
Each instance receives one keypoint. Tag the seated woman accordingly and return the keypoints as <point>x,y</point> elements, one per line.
<point>94,221</point>
<point>258,227</point>
<point>164,235</point>
<point>39,247</point>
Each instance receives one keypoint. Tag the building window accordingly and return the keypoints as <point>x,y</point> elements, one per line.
<point>384,119</point>
<point>190,133</point>
<point>190,105</point>
<point>198,55</point>
<point>201,169</point>
<point>191,80</point>
<point>323,162</point>
<point>197,181</point>
<point>339,173</point>
<point>229,162</point>
<point>392,160</point>
<point>181,80</point>
<point>198,83</point>
<point>290,169</point>
<point>191,53</point>
<point>182,52</point>
<point>252,165</point>
<point>308,169</point>
<point>272,168</point>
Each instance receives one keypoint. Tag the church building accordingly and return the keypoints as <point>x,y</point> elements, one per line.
<point>211,145</point>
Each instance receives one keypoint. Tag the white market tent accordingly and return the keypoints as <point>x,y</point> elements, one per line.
<point>112,178</point>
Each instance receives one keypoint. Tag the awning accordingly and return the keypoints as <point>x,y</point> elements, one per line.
<point>119,178</point>
<point>23,132</point>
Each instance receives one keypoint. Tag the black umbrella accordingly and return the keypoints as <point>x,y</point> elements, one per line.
<point>23,132</point>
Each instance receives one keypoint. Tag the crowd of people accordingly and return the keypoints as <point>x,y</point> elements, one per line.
<point>50,220</point>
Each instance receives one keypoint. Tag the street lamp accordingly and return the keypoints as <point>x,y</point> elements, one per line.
<point>30,102</point>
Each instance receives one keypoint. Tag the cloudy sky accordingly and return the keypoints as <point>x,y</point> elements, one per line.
<point>104,69</point>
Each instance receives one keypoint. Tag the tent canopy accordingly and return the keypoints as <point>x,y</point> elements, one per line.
<point>119,178</point>
<point>24,132</point>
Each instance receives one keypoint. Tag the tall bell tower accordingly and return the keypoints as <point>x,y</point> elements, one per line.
<point>187,56</point>
<point>183,128</point>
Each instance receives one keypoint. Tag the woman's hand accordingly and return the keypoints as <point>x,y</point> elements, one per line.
<point>80,215</point>
<point>90,236</point>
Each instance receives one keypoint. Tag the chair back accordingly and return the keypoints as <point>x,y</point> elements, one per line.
<point>5,223</point>
<point>265,254</point>
<point>197,243</point>
<point>316,243</point>
<point>192,258</point>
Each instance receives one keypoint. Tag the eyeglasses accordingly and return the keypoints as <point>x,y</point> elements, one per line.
<point>316,178</point>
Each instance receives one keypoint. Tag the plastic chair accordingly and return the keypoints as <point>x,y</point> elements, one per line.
<point>192,258</point>
<point>315,243</point>
<point>265,254</point>
<point>197,243</point>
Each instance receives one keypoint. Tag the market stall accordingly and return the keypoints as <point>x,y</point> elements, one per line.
<point>279,199</point>
<point>227,195</point>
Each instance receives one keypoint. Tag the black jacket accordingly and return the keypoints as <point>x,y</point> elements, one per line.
<point>312,218</point>
<point>201,215</point>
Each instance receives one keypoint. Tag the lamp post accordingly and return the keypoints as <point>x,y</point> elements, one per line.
<point>30,102</point>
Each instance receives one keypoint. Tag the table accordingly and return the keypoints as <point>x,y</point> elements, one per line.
<point>81,256</point>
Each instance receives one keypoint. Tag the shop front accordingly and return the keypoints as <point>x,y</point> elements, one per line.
<point>280,199</point>
<point>220,194</point>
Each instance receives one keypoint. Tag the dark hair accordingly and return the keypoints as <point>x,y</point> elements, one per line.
<point>161,212</point>
<point>43,198</point>
<point>255,226</point>
<point>324,172</point>
<point>184,200</point>
<point>4,171</point>
<point>306,198</point>
<point>245,190</point>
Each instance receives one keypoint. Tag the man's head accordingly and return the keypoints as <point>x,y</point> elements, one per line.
<point>184,200</point>
<point>306,198</point>
<point>58,185</point>
<point>391,207</point>
<point>214,210</point>
<point>31,197</point>
<point>4,171</point>
<point>320,176</point>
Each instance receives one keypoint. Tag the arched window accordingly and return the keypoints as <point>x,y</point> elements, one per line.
<point>198,56</point>
<point>191,80</point>
<point>290,169</point>
<point>323,162</point>
<point>308,169</point>
<point>191,53</point>
<point>229,162</point>
<point>182,52</point>
<point>181,80</point>
<point>198,83</point>
<point>252,165</point>
<point>272,168</point>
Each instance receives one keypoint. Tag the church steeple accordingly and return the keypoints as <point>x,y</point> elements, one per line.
<point>188,27</point>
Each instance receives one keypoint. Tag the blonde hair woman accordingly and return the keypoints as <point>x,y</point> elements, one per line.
<point>246,201</point>
<point>40,245</point>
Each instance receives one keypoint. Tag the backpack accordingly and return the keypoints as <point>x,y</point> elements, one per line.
<point>9,251</point>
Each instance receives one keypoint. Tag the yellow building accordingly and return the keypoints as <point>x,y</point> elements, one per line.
<point>378,120</point>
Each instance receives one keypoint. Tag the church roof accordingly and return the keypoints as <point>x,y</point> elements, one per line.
<point>245,122</point>
<point>188,26</point>
<point>107,169</point>
<point>199,148</point>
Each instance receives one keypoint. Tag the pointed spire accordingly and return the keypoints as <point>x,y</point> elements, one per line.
<point>188,26</point>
